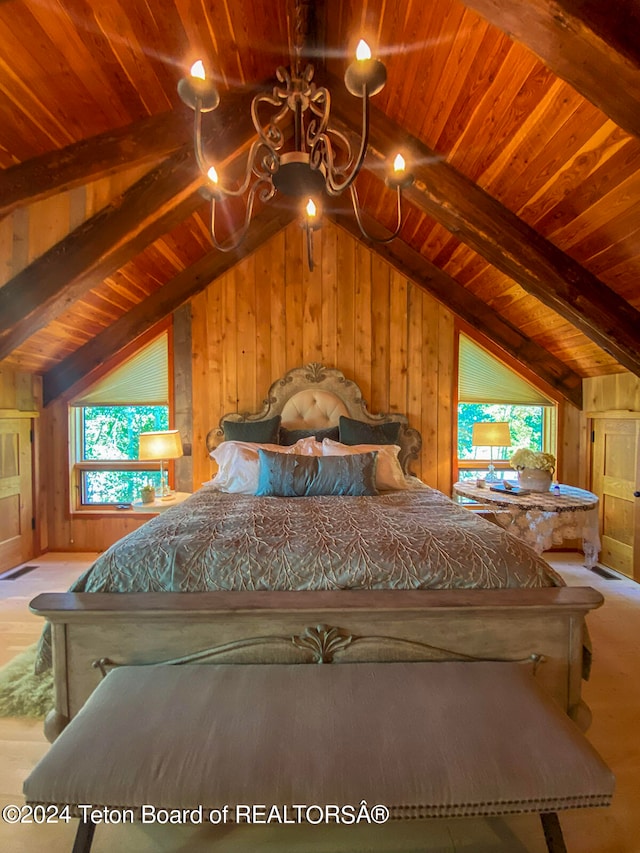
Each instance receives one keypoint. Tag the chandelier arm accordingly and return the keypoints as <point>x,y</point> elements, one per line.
<point>337,187</point>
<point>356,209</point>
<point>263,172</point>
<point>273,123</point>
<point>340,170</point>
<point>234,241</point>
<point>197,138</point>
<point>320,106</point>
<point>322,157</point>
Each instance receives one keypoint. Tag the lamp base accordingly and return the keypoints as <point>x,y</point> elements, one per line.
<point>491,475</point>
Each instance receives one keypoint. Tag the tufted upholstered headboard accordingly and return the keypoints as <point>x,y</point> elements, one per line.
<point>314,397</point>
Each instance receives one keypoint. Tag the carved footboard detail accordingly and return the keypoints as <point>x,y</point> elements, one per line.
<point>319,644</point>
<point>344,626</point>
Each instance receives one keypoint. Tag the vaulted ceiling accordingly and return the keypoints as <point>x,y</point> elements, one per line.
<point>521,119</point>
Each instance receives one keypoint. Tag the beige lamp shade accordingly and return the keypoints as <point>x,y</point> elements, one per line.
<point>486,434</point>
<point>160,445</point>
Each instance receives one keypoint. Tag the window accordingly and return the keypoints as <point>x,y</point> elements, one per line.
<point>488,390</point>
<point>106,421</point>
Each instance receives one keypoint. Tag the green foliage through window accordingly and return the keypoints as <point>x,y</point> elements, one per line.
<point>111,434</point>
<point>525,425</point>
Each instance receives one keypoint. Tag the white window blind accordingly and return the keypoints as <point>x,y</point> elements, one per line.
<point>484,379</point>
<point>141,380</point>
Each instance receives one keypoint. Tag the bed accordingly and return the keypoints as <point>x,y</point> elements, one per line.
<point>394,572</point>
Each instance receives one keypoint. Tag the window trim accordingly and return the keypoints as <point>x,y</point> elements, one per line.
<point>553,420</point>
<point>78,465</point>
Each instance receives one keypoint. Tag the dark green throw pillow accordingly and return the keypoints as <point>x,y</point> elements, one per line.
<point>357,432</point>
<point>257,432</point>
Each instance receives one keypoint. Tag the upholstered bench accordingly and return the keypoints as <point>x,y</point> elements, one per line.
<point>426,740</point>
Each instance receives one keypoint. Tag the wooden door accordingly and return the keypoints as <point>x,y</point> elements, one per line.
<point>16,498</point>
<point>615,478</point>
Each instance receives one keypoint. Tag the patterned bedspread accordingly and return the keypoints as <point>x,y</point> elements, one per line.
<point>414,539</point>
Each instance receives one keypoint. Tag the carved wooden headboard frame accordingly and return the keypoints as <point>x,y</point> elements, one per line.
<point>327,379</point>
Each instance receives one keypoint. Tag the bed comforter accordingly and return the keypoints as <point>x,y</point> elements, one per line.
<point>413,539</point>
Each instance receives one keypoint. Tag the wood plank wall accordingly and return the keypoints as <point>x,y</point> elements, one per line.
<point>30,231</point>
<point>621,391</point>
<point>91,531</point>
<point>19,390</point>
<point>270,314</point>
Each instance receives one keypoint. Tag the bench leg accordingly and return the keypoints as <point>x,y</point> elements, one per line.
<point>84,837</point>
<point>553,833</point>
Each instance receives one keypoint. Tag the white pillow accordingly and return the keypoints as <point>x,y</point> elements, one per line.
<point>239,463</point>
<point>389,474</point>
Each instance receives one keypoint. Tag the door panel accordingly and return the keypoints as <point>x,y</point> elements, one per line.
<point>615,478</point>
<point>16,533</point>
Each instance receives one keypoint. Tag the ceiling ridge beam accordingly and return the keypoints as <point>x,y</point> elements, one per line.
<point>462,302</point>
<point>145,141</point>
<point>75,367</point>
<point>591,45</point>
<point>505,240</point>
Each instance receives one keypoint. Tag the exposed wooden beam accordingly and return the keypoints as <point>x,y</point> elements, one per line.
<point>100,246</point>
<point>146,141</point>
<point>160,304</point>
<point>506,241</point>
<point>592,45</point>
<point>469,307</point>
<point>97,248</point>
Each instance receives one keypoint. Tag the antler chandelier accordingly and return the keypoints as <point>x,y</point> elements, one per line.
<point>296,152</point>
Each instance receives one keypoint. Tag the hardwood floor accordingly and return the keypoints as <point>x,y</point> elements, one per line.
<point>613,694</point>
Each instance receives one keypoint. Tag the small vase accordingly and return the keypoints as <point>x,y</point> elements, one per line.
<point>147,494</point>
<point>534,479</point>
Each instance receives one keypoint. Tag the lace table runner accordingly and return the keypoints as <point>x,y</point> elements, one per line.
<point>544,519</point>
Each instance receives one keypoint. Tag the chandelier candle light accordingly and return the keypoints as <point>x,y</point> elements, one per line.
<point>488,434</point>
<point>321,160</point>
<point>161,446</point>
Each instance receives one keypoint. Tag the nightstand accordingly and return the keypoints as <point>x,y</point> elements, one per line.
<point>160,505</point>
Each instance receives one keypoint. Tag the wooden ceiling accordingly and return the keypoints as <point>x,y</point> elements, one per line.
<point>521,119</point>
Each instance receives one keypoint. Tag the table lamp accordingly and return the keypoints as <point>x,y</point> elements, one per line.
<point>163,446</point>
<point>490,434</point>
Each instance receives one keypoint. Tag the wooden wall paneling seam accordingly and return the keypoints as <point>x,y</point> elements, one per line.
<point>345,327</point>
<point>380,315</point>
<point>362,319</point>
<point>294,258</point>
<point>263,318</point>
<point>331,276</point>
<point>244,275</point>
<point>447,399</point>
<point>311,294</point>
<point>230,343</point>
<point>205,374</point>
<point>276,288</point>
<point>182,395</point>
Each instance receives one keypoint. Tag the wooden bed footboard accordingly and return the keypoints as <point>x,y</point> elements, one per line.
<point>93,631</point>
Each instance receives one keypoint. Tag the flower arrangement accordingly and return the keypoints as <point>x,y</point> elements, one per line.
<point>525,458</point>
